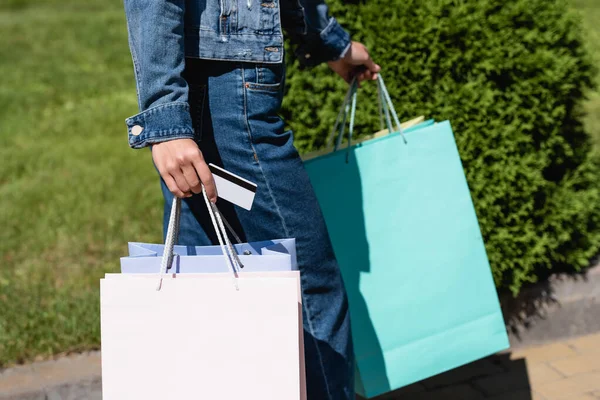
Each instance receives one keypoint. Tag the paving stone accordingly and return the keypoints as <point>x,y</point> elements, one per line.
<point>37,395</point>
<point>586,396</point>
<point>540,354</point>
<point>85,390</point>
<point>485,367</point>
<point>456,392</point>
<point>75,377</point>
<point>568,388</point>
<point>518,395</point>
<point>400,393</point>
<point>76,367</point>
<point>577,365</point>
<point>498,384</point>
<point>19,379</point>
<point>586,343</point>
<point>542,373</point>
<point>19,383</point>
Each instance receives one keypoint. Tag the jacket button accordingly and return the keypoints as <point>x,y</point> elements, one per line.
<point>307,55</point>
<point>136,130</point>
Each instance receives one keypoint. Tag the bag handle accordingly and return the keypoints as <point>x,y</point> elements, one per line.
<point>384,110</point>
<point>231,257</point>
<point>386,95</point>
<point>385,106</point>
<point>343,111</point>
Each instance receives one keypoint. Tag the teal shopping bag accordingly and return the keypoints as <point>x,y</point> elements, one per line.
<point>404,230</point>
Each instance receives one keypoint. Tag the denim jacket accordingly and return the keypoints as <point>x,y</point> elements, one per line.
<point>162,33</point>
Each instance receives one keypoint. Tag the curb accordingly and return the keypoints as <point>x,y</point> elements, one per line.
<point>565,306</point>
<point>74,377</point>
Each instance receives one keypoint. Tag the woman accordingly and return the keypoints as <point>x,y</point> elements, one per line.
<point>210,75</point>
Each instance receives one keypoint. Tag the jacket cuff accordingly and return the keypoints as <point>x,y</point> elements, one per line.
<point>332,44</point>
<point>159,124</point>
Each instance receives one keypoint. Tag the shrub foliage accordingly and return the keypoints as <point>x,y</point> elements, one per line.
<point>510,75</point>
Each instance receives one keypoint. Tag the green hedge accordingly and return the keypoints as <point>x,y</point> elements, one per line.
<point>510,75</point>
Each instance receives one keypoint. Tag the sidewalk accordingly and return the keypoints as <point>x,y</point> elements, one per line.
<point>76,377</point>
<point>563,370</point>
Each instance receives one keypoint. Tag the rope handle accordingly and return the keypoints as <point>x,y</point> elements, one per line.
<point>387,112</point>
<point>231,257</point>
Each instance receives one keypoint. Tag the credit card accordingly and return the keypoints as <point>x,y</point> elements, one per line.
<point>233,188</point>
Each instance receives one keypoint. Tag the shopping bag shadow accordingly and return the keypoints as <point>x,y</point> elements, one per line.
<point>496,376</point>
<point>354,264</point>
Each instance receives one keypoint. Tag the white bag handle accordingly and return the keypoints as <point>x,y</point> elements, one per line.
<point>231,256</point>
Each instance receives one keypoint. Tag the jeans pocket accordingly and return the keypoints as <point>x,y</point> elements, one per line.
<point>197,103</point>
<point>267,77</point>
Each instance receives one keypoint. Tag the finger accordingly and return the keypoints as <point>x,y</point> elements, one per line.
<point>172,185</point>
<point>177,175</point>
<point>347,76</point>
<point>206,177</point>
<point>192,179</point>
<point>363,76</point>
<point>165,173</point>
<point>371,65</point>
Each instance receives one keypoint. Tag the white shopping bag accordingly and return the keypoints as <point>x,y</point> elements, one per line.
<point>202,336</point>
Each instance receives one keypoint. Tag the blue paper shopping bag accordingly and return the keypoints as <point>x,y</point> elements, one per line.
<point>266,256</point>
<point>405,232</point>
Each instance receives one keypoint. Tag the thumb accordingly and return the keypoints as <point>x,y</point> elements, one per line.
<point>371,66</point>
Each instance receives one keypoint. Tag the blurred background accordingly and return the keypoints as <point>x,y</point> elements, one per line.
<point>517,78</point>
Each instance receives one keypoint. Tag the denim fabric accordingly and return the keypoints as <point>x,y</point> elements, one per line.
<point>168,121</point>
<point>163,32</point>
<point>234,107</point>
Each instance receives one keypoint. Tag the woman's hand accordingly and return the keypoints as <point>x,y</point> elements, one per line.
<point>182,167</point>
<point>356,62</point>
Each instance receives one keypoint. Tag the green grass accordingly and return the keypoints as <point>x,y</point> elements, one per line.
<point>590,12</point>
<point>72,193</point>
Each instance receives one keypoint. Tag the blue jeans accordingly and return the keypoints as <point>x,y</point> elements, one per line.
<point>234,109</point>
